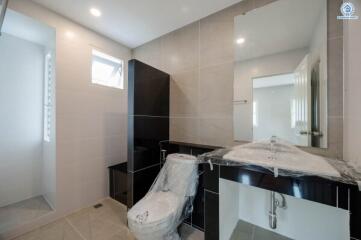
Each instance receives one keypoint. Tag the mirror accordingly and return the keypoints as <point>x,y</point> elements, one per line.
<point>280,85</point>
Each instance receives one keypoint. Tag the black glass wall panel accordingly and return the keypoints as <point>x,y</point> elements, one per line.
<point>148,124</point>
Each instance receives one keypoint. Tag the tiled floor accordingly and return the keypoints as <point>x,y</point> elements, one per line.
<point>22,212</point>
<point>247,231</point>
<point>105,223</point>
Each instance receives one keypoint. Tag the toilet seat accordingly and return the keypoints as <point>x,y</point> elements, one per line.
<point>154,210</point>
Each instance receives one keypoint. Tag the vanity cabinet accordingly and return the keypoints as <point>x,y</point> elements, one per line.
<point>312,188</point>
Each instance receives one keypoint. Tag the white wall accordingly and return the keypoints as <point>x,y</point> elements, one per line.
<point>21,108</point>
<point>301,220</point>
<point>228,210</point>
<point>91,127</point>
<point>352,85</point>
<point>244,72</point>
<point>274,113</point>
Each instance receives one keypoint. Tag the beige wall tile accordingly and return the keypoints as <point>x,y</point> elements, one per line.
<point>216,91</point>
<point>216,42</point>
<point>261,3</point>
<point>184,87</point>
<point>180,49</point>
<point>352,98</point>
<point>216,131</point>
<point>150,53</point>
<point>184,129</point>
<point>335,27</point>
<point>335,77</point>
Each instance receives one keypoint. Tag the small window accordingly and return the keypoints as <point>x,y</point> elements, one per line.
<point>293,113</point>
<point>48,97</point>
<point>255,114</point>
<point>107,70</point>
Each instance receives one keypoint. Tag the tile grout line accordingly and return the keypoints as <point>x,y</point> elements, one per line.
<point>75,229</point>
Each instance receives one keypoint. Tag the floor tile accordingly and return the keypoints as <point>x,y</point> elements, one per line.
<point>91,226</point>
<point>59,230</point>
<point>22,212</point>
<point>243,230</point>
<point>248,231</point>
<point>189,233</point>
<point>108,222</point>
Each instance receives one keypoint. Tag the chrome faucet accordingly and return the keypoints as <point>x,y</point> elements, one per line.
<point>273,148</point>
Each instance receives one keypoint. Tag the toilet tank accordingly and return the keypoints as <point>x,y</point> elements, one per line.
<point>181,174</point>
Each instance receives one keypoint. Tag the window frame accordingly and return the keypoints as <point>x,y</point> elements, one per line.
<point>48,101</point>
<point>116,63</point>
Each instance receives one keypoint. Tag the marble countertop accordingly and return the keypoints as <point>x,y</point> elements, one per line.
<point>348,174</point>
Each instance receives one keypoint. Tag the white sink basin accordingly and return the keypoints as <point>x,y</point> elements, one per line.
<point>283,156</point>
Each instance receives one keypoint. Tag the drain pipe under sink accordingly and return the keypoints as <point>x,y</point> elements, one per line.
<point>275,203</point>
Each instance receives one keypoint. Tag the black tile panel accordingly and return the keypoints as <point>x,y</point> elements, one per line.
<point>140,183</point>
<point>118,182</point>
<point>149,90</point>
<point>198,204</point>
<point>355,212</point>
<point>211,213</point>
<point>343,196</point>
<point>148,132</point>
<point>211,178</point>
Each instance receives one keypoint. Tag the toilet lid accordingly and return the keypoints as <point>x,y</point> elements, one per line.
<point>154,208</point>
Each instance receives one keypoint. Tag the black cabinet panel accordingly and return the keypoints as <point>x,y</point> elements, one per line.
<point>148,132</point>
<point>140,183</point>
<point>343,196</point>
<point>310,188</point>
<point>211,208</point>
<point>118,182</point>
<point>211,177</point>
<point>198,204</point>
<point>149,90</point>
<point>355,211</point>
<point>148,124</point>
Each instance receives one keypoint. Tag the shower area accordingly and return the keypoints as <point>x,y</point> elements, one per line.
<point>27,123</point>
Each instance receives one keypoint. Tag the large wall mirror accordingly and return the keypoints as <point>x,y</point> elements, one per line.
<point>280,85</point>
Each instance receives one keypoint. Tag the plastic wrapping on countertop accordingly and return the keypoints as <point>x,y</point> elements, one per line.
<point>284,159</point>
<point>170,198</point>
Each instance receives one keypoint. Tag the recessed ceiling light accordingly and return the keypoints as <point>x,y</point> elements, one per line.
<point>95,12</point>
<point>240,40</point>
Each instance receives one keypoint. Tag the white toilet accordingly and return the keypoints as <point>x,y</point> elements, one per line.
<point>168,202</point>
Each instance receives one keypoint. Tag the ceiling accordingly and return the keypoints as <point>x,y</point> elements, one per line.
<point>24,27</point>
<point>274,81</point>
<point>278,27</point>
<point>135,22</point>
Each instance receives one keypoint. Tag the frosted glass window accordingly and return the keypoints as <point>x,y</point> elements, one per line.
<point>48,97</point>
<point>293,113</point>
<point>255,114</point>
<point>107,70</point>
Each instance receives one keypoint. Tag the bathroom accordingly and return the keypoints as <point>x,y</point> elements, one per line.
<point>122,101</point>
